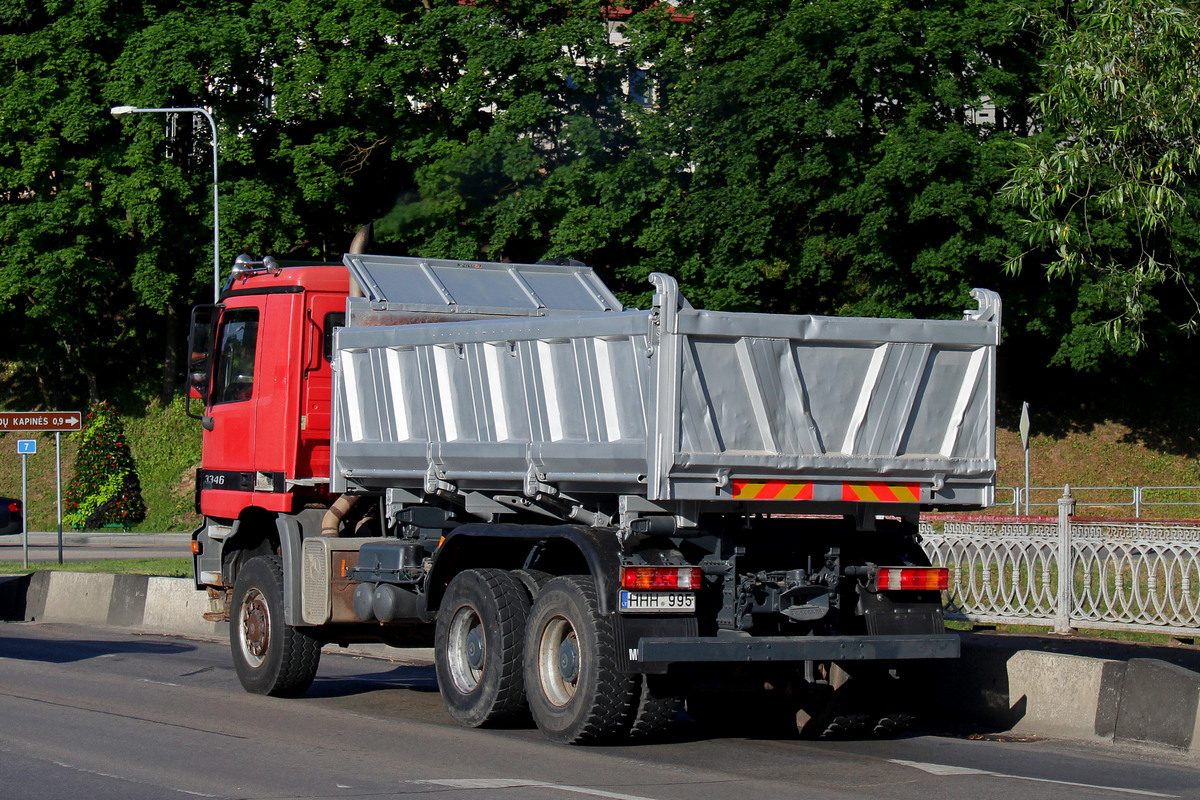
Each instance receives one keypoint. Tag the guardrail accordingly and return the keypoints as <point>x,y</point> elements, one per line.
<point>1112,499</point>
<point>1069,572</point>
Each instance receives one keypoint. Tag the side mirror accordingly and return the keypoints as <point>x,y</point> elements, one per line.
<point>200,347</point>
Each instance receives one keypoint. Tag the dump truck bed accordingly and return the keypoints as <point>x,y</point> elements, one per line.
<point>668,404</point>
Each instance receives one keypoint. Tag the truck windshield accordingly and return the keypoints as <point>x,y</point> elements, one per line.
<point>234,378</point>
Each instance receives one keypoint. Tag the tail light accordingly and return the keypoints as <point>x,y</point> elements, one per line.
<point>911,579</point>
<point>14,507</point>
<point>660,577</point>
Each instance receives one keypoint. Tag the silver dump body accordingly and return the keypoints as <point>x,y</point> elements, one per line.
<point>545,386</point>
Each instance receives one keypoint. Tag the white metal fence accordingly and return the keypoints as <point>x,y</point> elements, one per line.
<point>1138,500</point>
<point>1067,573</point>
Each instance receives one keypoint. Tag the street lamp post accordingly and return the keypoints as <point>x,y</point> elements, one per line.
<point>124,111</point>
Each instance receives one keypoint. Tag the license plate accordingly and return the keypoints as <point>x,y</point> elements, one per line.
<point>658,602</point>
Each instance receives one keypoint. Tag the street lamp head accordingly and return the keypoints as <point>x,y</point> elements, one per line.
<point>124,111</point>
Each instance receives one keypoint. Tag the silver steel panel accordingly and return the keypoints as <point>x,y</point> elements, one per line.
<point>671,403</point>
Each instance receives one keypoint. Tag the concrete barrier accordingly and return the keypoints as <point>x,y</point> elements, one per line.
<point>1002,683</point>
<point>170,606</point>
<point>1159,704</point>
<point>1029,691</point>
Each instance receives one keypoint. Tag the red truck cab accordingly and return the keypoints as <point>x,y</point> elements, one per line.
<point>261,368</point>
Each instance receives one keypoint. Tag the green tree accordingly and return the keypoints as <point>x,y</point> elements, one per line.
<point>64,296</point>
<point>104,489</point>
<point>529,147</point>
<point>1109,182</point>
<point>831,156</point>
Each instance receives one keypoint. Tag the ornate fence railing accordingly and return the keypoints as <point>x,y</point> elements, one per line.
<point>1070,572</point>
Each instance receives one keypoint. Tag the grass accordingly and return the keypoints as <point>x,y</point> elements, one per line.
<point>1082,447</point>
<point>160,567</point>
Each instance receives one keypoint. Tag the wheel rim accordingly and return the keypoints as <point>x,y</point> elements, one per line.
<point>254,627</point>
<point>466,649</point>
<point>558,661</point>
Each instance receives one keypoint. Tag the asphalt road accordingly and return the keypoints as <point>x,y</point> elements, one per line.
<point>100,713</point>
<point>43,547</point>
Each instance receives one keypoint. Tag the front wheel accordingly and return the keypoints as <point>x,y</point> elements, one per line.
<point>576,693</point>
<point>269,656</point>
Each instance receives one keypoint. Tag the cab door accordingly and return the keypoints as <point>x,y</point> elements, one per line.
<point>324,314</point>
<point>226,476</point>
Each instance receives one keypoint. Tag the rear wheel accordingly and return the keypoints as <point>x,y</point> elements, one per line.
<point>269,656</point>
<point>576,693</point>
<point>478,638</point>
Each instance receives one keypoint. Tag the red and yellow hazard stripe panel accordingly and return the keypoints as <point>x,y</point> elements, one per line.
<point>772,490</point>
<point>882,492</point>
<point>803,490</point>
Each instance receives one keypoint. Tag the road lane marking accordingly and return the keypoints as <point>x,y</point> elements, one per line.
<point>126,779</point>
<point>945,770</point>
<point>516,783</point>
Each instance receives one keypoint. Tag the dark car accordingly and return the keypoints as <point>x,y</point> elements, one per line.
<point>10,516</point>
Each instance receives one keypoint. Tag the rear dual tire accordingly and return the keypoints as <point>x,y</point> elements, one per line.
<point>478,639</point>
<point>576,693</point>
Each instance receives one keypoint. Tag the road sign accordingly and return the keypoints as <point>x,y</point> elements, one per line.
<point>27,447</point>
<point>1024,425</point>
<point>41,421</point>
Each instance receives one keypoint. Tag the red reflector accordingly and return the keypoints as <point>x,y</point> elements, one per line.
<point>660,577</point>
<point>910,579</point>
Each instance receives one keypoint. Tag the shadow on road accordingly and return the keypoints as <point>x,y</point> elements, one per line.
<point>418,678</point>
<point>65,652</point>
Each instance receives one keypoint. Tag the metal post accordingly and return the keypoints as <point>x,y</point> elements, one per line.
<point>1024,428</point>
<point>58,488</point>
<point>24,513</point>
<point>1027,481</point>
<point>1066,566</point>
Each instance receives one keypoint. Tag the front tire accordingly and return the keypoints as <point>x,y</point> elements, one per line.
<point>478,637</point>
<point>269,656</point>
<point>576,693</point>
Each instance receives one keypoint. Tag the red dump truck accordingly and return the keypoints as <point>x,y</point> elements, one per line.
<point>589,511</point>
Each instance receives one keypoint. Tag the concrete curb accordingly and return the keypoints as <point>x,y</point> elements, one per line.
<point>170,606</point>
<point>999,683</point>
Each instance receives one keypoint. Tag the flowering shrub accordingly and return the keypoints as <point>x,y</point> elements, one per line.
<point>104,489</point>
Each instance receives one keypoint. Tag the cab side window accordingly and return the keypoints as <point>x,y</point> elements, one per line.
<point>234,375</point>
<point>333,321</point>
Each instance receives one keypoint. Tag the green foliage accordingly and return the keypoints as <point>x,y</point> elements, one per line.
<point>104,489</point>
<point>159,567</point>
<point>828,157</point>
<point>1109,180</point>
<point>823,156</point>
<point>166,444</point>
